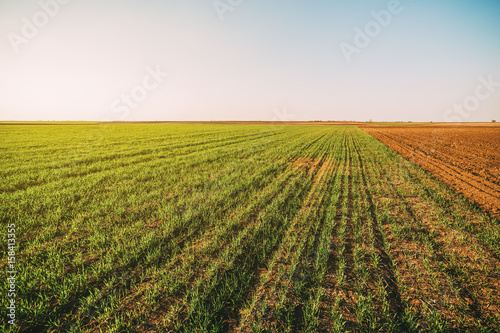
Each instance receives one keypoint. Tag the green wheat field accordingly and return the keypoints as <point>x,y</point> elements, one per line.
<point>237,228</point>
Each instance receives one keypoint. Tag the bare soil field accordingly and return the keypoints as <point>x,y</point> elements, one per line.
<point>467,157</point>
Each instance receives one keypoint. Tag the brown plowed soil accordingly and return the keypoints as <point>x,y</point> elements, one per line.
<point>467,158</point>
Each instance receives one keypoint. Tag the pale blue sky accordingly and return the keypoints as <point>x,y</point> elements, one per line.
<point>267,60</point>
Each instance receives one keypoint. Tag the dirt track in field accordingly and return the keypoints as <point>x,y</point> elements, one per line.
<point>467,158</point>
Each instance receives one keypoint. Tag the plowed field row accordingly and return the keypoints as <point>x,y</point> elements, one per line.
<point>467,158</point>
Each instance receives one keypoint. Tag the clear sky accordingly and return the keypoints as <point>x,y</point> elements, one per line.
<point>250,60</point>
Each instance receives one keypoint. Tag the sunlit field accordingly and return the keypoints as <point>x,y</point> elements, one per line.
<point>238,228</point>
